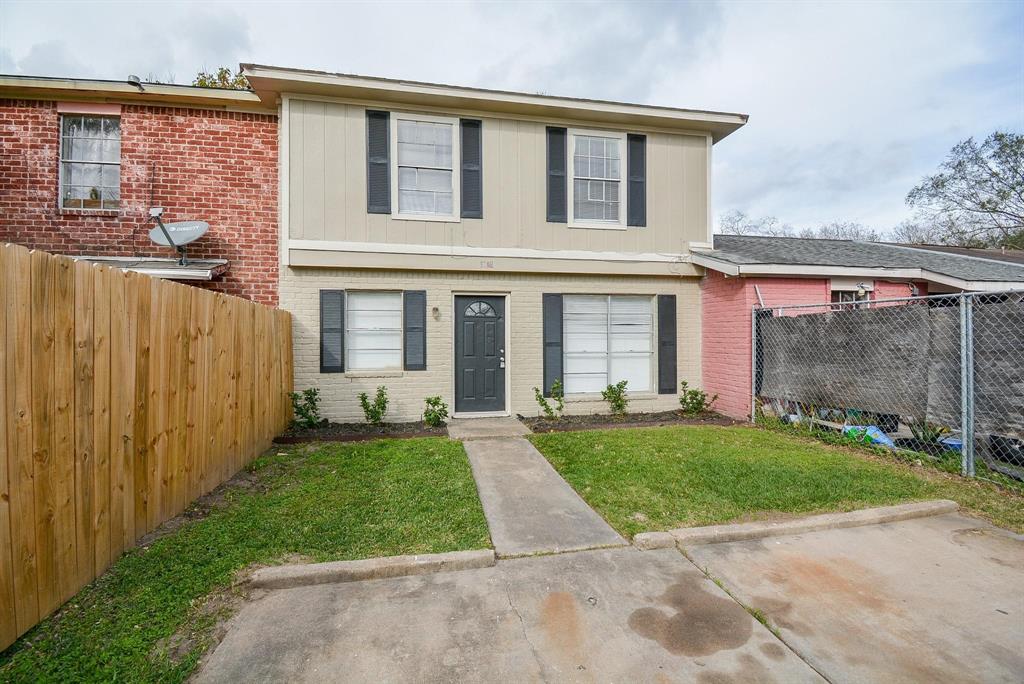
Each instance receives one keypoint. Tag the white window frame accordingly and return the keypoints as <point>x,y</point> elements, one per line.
<point>653,354</point>
<point>456,215</point>
<point>401,331</point>
<point>63,158</point>
<point>571,179</point>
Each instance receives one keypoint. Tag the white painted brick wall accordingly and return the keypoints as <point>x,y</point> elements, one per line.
<point>299,294</point>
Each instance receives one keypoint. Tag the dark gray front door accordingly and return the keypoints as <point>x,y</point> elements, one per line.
<point>479,354</point>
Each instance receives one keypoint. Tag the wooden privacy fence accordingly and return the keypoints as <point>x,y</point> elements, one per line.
<point>123,398</point>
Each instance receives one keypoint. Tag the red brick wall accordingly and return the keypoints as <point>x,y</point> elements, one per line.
<point>214,166</point>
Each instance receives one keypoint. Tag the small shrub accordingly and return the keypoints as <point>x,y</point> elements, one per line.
<point>306,406</point>
<point>376,410</point>
<point>694,401</point>
<point>616,397</point>
<point>436,413</point>
<point>557,394</point>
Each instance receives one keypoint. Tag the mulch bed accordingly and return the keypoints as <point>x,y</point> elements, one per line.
<point>358,432</point>
<point>630,420</point>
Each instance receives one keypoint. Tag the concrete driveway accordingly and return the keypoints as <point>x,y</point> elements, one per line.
<point>936,599</point>
<point>619,615</point>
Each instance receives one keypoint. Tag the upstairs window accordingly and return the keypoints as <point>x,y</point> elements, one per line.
<point>597,180</point>
<point>90,162</point>
<point>426,186</point>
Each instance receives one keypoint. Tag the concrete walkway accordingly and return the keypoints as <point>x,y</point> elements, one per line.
<point>529,508</point>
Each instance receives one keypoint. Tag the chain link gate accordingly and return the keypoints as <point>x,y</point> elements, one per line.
<point>941,375</point>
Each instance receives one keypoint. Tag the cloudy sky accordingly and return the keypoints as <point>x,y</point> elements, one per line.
<point>850,103</point>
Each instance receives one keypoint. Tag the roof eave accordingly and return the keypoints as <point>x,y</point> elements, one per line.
<point>821,271</point>
<point>273,82</point>
<point>43,88</point>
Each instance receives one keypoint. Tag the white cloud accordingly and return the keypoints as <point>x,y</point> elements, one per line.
<point>850,103</point>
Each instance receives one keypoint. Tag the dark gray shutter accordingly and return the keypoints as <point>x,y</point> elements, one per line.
<point>667,344</point>
<point>472,169</point>
<point>378,171</point>
<point>557,212</point>
<point>636,161</point>
<point>332,331</point>
<point>415,329</point>
<point>552,314</point>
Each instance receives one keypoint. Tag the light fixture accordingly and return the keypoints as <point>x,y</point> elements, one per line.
<point>436,313</point>
<point>135,81</point>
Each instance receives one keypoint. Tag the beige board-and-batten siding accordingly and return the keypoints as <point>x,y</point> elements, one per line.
<point>326,179</point>
<point>299,294</point>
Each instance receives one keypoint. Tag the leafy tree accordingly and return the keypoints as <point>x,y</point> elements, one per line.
<point>977,196</point>
<point>221,78</point>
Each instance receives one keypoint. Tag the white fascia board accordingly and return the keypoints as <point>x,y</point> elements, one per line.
<point>512,252</point>
<point>714,264</point>
<point>782,270</point>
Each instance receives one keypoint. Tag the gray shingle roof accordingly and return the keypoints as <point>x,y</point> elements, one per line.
<point>757,249</point>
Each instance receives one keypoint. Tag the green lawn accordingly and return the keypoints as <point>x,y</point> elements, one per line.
<point>661,478</point>
<point>328,502</point>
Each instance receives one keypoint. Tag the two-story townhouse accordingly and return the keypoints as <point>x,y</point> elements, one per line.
<point>83,161</point>
<point>476,244</point>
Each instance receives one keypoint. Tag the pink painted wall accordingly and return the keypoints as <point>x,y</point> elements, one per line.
<point>726,306</point>
<point>887,289</point>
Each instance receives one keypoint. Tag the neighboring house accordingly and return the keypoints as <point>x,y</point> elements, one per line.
<point>743,271</point>
<point>475,244</point>
<point>82,161</point>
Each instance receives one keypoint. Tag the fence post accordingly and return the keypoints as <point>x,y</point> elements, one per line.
<point>967,384</point>
<point>753,363</point>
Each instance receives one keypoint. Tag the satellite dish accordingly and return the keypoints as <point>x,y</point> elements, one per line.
<point>176,235</point>
<point>181,232</point>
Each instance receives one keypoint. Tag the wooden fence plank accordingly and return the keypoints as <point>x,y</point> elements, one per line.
<point>142,299</point>
<point>183,467</point>
<point>101,418</point>
<point>21,475</point>
<point>43,368</point>
<point>64,423</point>
<point>7,627</point>
<point>122,397</point>
<point>84,429</point>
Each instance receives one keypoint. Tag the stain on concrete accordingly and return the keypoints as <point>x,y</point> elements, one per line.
<point>842,579</point>
<point>773,650</point>
<point>750,670</point>
<point>780,612</point>
<point>560,620</point>
<point>703,623</point>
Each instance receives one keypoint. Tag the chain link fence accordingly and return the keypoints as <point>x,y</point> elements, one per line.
<point>940,376</point>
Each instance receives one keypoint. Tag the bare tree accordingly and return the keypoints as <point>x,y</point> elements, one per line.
<point>919,231</point>
<point>738,223</point>
<point>842,230</point>
<point>977,195</point>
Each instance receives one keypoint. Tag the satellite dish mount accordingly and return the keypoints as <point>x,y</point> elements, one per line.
<point>175,235</point>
